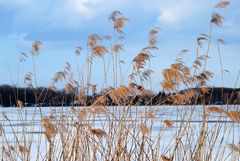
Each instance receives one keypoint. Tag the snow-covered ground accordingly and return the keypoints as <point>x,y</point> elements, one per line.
<point>27,121</point>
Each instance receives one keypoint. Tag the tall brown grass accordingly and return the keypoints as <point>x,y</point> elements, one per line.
<point>123,131</point>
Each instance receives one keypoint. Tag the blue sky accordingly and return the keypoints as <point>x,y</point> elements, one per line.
<point>63,24</point>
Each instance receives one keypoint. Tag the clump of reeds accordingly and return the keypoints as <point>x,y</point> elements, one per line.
<point>50,129</point>
<point>168,123</point>
<point>97,132</point>
<point>234,115</point>
<point>234,148</point>
<point>143,128</point>
<point>216,109</point>
<point>124,131</point>
<point>165,158</point>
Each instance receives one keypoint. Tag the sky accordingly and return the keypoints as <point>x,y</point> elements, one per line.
<point>62,25</point>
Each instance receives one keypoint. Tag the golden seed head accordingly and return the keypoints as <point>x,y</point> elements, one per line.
<point>216,109</point>
<point>23,149</point>
<point>98,132</point>
<point>165,158</point>
<point>69,87</point>
<point>20,104</point>
<point>222,4</point>
<point>217,19</point>
<point>99,50</point>
<point>143,128</point>
<point>168,123</point>
<point>234,148</point>
<point>234,115</point>
<point>36,47</point>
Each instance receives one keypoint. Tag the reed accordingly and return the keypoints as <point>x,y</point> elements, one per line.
<point>123,131</point>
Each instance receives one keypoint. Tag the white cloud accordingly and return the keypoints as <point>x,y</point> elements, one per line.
<point>75,13</point>
<point>52,14</point>
<point>174,12</point>
<point>86,8</point>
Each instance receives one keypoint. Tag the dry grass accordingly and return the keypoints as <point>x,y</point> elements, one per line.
<point>123,131</point>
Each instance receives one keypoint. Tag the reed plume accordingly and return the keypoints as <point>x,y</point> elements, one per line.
<point>216,109</point>
<point>36,47</point>
<point>201,39</point>
<point>119,20</point>
<point>165,158</point>
<point>20,104</point>
<point>78,50</point>
<point>23,149</point>
<point>217,19</point>
<point>69,87</point>
<point>168,123</point>
<point>97,132</point>
<point>50,129</point>
<point>99,50</point>
<point>222,4</point>
<point>141,58</point>
<point>234,148</point>
<point>234,115</point>
<point>143,128</point>
<point>23,57</point>
<point>152,38</point>
<point>117,48</point>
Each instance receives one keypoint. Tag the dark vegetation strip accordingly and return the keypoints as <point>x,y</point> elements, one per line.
<point>47,97</point>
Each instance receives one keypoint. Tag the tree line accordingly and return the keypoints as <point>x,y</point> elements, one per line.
<point>10,95</point>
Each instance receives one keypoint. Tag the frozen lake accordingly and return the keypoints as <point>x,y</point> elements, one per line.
<point>23,126</point>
